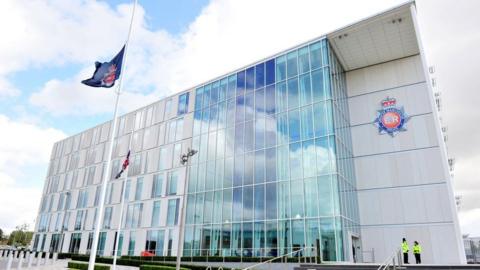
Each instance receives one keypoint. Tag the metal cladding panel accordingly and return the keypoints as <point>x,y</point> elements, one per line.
<point>401,181</point>
<point>379,39</point>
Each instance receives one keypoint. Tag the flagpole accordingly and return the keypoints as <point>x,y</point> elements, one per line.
<point>113,131</point>
<point>122,204</point>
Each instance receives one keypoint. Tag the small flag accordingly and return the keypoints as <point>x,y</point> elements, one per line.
<point>124,166</point>
<point>106,73</point>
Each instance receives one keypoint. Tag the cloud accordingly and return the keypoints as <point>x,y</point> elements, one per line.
<point>456,77</point>
<point>70,97</point>
<point>469,221</point>
<point>7,89</point>
<point>160,64</point>
<point>22,146</point>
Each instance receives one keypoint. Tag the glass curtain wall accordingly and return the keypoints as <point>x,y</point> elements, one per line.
<point>348,221</point>
<point>274,172</point>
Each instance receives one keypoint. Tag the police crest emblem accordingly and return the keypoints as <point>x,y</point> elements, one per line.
<point>391,119</point>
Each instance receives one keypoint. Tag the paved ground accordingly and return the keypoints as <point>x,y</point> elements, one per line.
<point>59,265</point>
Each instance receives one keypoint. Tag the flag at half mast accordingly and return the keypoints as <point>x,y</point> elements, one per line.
<point>106,73</point>
<point>124,166</point>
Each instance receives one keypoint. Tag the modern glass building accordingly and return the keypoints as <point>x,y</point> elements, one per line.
<point>288,158</point>
<point>274,170</point>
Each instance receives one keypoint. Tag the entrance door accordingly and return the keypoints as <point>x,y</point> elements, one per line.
<point>355,250</point>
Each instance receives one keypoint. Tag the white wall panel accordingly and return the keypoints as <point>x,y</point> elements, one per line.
<point>401,180</point>
<point>159,111</point>
<point>395,169</point>
<point>385,239</point>
<point>105,132</point>
<point>403,205</point>
<point>150,137</point>
<point>414,98</point>
<point>140,240</point>
<point>383,76</point>
<point>420,134</point>
<point>188,125</point>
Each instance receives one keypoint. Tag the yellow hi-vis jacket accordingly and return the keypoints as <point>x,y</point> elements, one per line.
<point>405,248</point>
<point>417,249</point>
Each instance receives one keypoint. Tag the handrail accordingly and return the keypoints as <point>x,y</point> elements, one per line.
<point>390,261</point>
<point>283,256</point>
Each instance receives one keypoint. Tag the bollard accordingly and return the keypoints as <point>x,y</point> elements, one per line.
<point>10,260</point>
<point>55,257</point>
<point>31,255</point>
<point>39,258</point>
<point>47,258</point>
<point>20,260</point>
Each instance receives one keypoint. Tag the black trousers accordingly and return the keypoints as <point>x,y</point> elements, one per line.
<point>405,257</point>
<point>418,260</point>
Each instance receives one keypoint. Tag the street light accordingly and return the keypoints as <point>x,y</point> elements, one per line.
<point>184,160</point>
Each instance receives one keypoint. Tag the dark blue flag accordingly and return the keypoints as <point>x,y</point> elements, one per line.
<point>106,73</point>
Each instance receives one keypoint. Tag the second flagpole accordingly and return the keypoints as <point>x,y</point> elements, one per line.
<point>113,131</point>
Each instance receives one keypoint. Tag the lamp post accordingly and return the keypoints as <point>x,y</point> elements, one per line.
<point>184,160</point>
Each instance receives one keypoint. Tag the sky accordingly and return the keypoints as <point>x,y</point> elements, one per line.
<point>48,47</point>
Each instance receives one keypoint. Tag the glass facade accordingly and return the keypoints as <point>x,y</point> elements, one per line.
<point>274,171</point>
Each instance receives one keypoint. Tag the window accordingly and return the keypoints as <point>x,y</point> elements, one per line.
<point>172,126</point>
<point>168,108</point>
<point>66,220</point>
<point>183,103</point>
<point>172,214</point>
<point>79,220</point>
<point>131,244</point>
<point>60,201</point>
<point>101,243</point>
<point>94,218</point>
<point>120,244</point>
<point>155,241</point>
<point>115,168</point>
<point>179,130</point>
<point>107,217</point>
<point>121,126</point>
<point>149,116</point>
<point>292,64</point>
<point>157,185</point>
<point>156,214</point>
<point>74,242</point>
<point>139,188</point>
<point>172,183</point>
<point>42,227</point>
<point>175,130</point>
<point>316,55</point>
<point>43,242</point>
<point>163,160</point>
<point>198,98</point>
<point>259,75</point>
<point>82,199</point>
<point>281,66</point>
<point>35,242</point>
<point>58,222</point>
<point>136,166</point>
<point>127,190</point>
<point>97,195</point>
<point>139,120</point>
<point>134,215</point>
<point>177,152</point>
<point>68,181</point>
<point>170,242</point>
<point>108,196</point>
